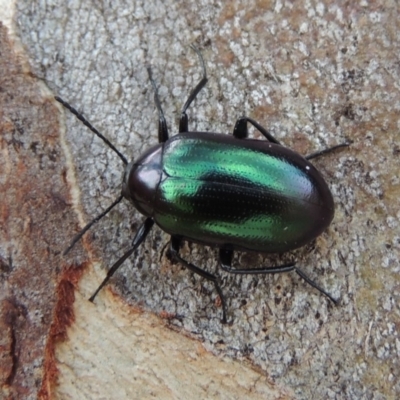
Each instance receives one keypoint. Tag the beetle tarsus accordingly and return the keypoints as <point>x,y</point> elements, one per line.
<point>314,285</point>
<point>328,150</point>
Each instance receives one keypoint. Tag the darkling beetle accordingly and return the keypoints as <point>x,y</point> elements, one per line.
<point>231,192</point>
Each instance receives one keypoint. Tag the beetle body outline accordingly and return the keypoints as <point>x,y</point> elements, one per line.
<point>288,210</point>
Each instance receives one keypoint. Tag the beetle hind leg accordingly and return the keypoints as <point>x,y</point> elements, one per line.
<point>240,130</point>
<point>225,259</point>
<point>174,253</point>
<point>328,150</point>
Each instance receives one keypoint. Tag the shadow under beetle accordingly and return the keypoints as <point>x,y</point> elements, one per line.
<point>227,191</point>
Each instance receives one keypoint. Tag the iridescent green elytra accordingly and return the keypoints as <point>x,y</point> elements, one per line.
<point>234,193</point>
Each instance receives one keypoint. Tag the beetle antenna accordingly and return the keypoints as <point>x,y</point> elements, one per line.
<point>90,224</point>
<point>91,127</point>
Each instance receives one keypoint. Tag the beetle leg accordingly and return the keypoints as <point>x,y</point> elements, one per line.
<point>328,150</point>
<point>240,130</point>
<point>174,253</point>
<point>140,236</point>
<point>225,259</point>
<point>162,123</point>
<point>183,123</point>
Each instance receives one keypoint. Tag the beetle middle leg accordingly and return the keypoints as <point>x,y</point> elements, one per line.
<point>225,259</point>
<point>240,131</point>
<point>174,253</point>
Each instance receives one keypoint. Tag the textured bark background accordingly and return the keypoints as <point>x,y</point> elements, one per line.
<point>33,206</point>
<point>314,74</point>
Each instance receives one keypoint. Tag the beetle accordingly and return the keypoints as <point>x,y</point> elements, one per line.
<point>227,191</point>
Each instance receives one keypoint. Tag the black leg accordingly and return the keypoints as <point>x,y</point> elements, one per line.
<point>183,123</point>
<point>174,253</point>
<point>140,236</point>
<point>225,259</point>
<point>162,123</point>
<point>326,151</point>
<point>240,130</point>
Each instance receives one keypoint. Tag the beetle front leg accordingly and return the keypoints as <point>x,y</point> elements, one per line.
<point>240,130</point>
<point>183,123</point>
<point>225,259</point>
<point>174,253</point>
<point>137,241</point>
<point>162,123</point>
